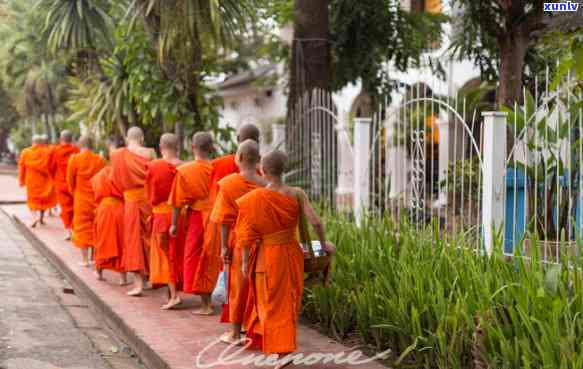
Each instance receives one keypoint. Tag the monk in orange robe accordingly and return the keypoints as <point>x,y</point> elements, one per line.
<point>191,189</point>
<point>268,226</point>
<point>108,225</point>
<point>165,251</point>
<point>58,167</point>
<point>210,264</point>
<point>33,172</point>
<point>225,213</point>
<point>128,174</point>
<point>81,169</point>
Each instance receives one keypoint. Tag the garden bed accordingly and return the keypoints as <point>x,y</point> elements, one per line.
<point>423,298</point>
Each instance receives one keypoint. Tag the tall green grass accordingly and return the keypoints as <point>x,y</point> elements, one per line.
<point>423,298</point>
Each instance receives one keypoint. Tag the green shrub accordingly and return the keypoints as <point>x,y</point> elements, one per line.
<point>396,286</point>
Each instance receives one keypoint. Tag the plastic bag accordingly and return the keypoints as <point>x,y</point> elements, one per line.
<point>220,292</point>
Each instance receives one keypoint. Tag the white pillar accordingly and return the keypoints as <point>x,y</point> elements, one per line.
<point>361,197</point>
<point>443,129</point>
<point>345,187</point>
<point>494,160</point>
<point>278,142</point>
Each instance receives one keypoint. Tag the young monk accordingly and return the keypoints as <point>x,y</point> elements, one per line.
<point>82,167</point>
<point>58,168</point>
<point>225,213</point>
<point>128,174</point>
<point>191,189</point>
<point>33,172</point>
<point>210,264</point>
<point>108,225</point>
<point>165,251</point>
<point>269,218</point>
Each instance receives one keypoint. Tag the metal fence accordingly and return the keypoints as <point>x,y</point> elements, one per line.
<point>424,159</point>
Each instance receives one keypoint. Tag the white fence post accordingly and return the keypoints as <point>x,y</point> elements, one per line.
<point>278,132</point>
<point>345,157</point>
<point>443,129</point>
<point>494,160</point>
<point>361,197</point>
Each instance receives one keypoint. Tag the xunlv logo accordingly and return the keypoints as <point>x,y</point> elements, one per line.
<point>561,7</point>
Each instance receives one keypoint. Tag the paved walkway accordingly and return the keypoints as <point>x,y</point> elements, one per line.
<point>40,327</point>
<point>162,339</point>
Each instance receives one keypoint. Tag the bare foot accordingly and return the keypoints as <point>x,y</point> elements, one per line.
<point>136,292</point>
<point>34,224</point>
<point>147,286</point>
<point>84,264</point>
<point>228,339</point>
<point>99,275</point>
<point>67,236</point>
<point>123,280</point>
<point>172,304</point>
<point>207,311</point>
<point>284,362</point>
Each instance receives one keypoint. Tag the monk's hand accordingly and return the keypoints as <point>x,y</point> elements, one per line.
<point>226,256</point>
<point>329,247</point>
<point>172,231</point>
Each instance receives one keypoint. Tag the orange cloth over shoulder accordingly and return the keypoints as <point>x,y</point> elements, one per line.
<point>108,224</point>
<point>276,267</point>
<point>54,199</point>
<point>81,169</point>
<point>210,264</point>
<point>129,175</point>
<point>33,172</point>
<point>191,189</point>
<point>226,211</point>
<point>166,252</point>
<point>58,167</point>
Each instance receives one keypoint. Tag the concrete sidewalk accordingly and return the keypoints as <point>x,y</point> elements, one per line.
<point>162,339</point>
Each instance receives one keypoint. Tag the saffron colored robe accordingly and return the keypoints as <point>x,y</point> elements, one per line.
<point>129,175</point>
<point>276,267</point>
<point>81,169</point>
<point>210,264</point>
<point>166,252</point>
<point>225,212</point>
<point>33,172</point>
<point>191,189</point>
<point>58,167</point>
<point>108,224</point>
<point>54,199</point>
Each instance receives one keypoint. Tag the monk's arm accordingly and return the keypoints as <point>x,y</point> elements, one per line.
<point>174,225</point>
<point>313,218</point>
<point>21,171</point>
<point>225,243</point>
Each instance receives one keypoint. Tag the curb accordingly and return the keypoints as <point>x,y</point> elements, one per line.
<point>145,353</point>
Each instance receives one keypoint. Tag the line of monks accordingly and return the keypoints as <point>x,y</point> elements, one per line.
<point>179,224</point>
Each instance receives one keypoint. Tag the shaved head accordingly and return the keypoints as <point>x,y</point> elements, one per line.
<point>37,139</point>
<point>274,163</point>
<point>85,142</point>
<point>248,132</point>
<point>44,139</point>
<point>169,141</point>
<point>66,136</point>
<point>248,152</point>
<point>136,135</point>
<point>203,141</point>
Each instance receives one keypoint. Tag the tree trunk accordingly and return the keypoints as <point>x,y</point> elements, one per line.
<point>179,132</point>
<point>310,62</point>
<point>513,48</point>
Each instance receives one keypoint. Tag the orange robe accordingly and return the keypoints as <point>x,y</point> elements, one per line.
<point>81,169</point>
<point>33,172</point>
<point>191,189</point>
<point>58,167</point>
<point>54,198</point>
<point>210,263</point>
<point>108,225</point>
<point>129,175</point>
<point>225,212</point>
<point>166,252</point>
<point>276,267</point>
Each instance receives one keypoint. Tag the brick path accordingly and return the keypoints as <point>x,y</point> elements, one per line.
<point>162,339</point>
